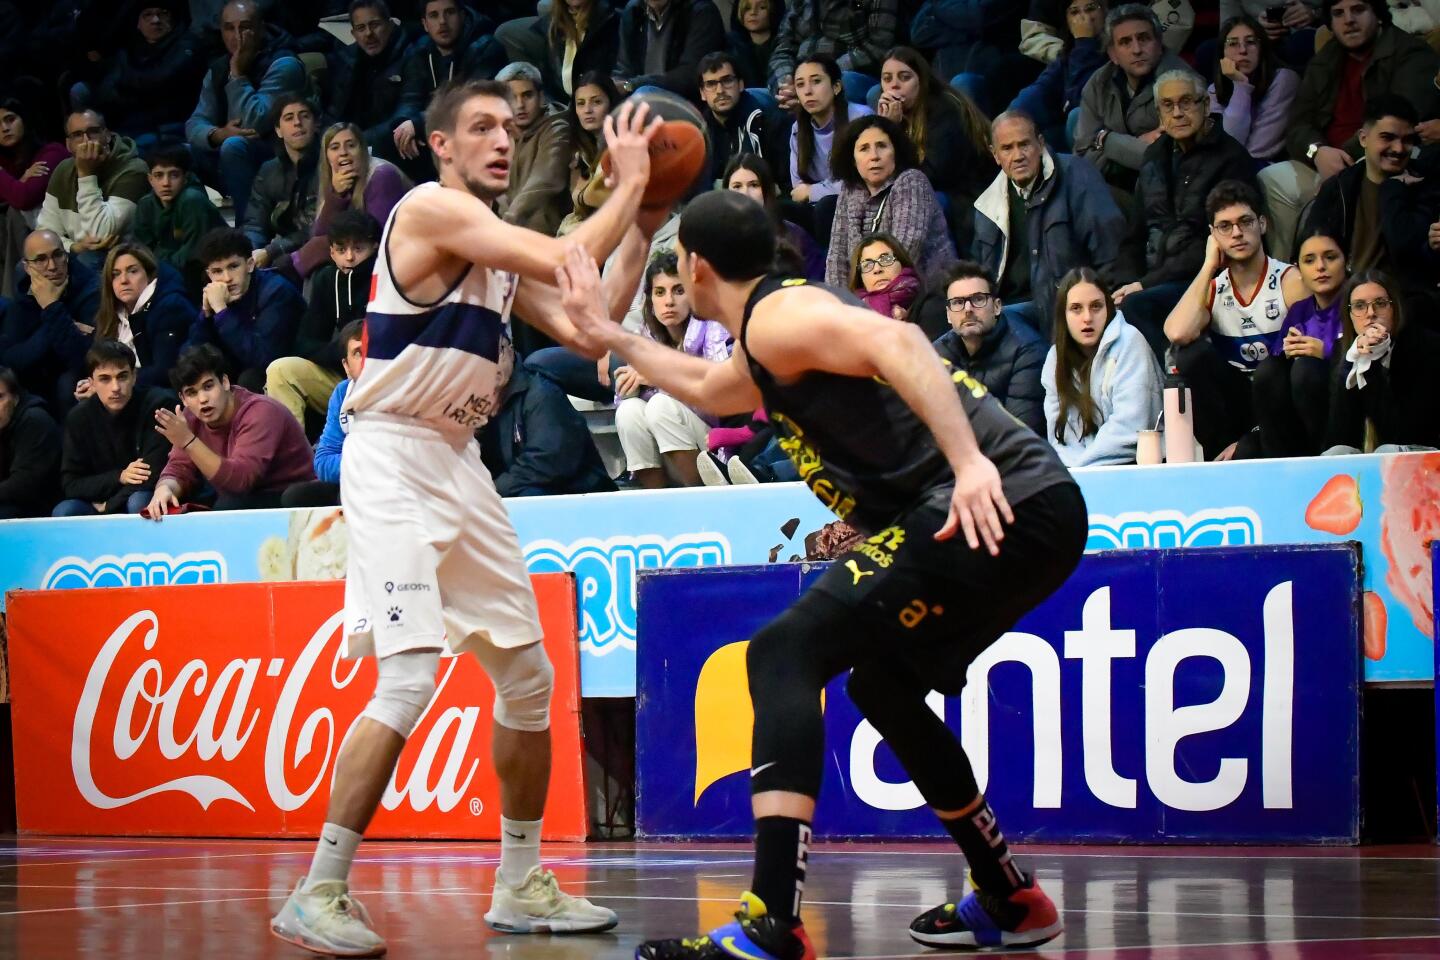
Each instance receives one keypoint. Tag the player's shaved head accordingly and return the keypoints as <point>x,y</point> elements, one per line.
<point>730,231</point>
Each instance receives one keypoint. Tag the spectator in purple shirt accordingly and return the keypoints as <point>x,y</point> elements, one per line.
<point>1292,388</point>
<point>246,445</point>
<point>1252,90</point>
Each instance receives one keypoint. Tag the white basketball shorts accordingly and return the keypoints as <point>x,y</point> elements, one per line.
<point>434,562</point>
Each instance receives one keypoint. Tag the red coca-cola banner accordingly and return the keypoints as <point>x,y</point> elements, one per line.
<point>218,711</point>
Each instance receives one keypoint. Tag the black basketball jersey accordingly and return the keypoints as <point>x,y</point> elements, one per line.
<point>866,455</point>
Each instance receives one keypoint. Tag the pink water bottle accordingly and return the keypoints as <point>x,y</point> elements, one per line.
<point>1179,422</point>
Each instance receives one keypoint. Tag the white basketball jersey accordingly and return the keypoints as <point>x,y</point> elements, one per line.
<point>442,364</point>
<point>1245,324</point>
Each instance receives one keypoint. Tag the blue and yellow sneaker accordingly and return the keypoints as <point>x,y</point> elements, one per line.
<point>754,935</point>
<point>1026,918</point>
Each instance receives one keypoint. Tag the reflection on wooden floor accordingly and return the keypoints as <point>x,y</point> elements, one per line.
<point>125,897</point>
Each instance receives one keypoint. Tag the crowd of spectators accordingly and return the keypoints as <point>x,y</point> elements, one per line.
<point>1083,206</point>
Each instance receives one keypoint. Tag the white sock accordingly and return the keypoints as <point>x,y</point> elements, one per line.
<point>519,849</point>
<point>333,853</point>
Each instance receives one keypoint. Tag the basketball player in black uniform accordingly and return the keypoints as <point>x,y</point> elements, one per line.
<point>911,453</point>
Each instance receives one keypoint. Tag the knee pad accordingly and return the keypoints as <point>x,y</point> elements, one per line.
<point>404,689</point>
<point>523,680</point>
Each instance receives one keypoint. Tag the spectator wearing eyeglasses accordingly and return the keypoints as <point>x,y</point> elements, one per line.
<point>91,197</point>
<point>1252,90</point>
<point>46,329</point>
<point>1007,358</point>
<point>1230,318</point>
<point>1389,379</point>
<point>1378,209</point>
<point>1044,215</point>
<point>738,123</point>
<point>883,275</point>
<point>1192,156</point>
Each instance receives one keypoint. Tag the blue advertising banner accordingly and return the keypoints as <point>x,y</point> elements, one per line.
<point>1389,504</point>
<point>1181,695</point>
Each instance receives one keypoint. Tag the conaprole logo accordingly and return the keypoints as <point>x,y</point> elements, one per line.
<point>151,703</point>
<point>605,576</point>
<point>136,570</point>
<point>1163,529</point>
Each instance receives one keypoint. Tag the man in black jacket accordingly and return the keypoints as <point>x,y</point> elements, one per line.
<point>285,195</point>
<point>1378,211</point>
<point>29,452</point>
<point>1192,155</point>
<point>112,452</point>
<point>538,444</point>
<point>738,123</point>
<point>1006,357</point>
<point>46,329</point>
<point>365,77</point>
<point>339,294</point>
<point>147,88</point>
<point>662,41</point>
<point>458,44</point>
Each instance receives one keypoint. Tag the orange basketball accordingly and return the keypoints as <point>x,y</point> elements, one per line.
<point>679,153</point>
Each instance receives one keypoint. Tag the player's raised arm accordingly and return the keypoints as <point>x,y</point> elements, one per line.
<point>805,328</point>
<point>473,142</point>
<point>717,388</point>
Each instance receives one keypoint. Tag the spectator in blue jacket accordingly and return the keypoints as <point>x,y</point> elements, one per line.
<point>977,43</point>
<point>144,305</point>
<point>1044,215</point>
<point>538,444</point>
<point>229,129</point>
<point>1057,90</point>
<point>249,315</point>
<point>324,490</point>
<point>1102,383</point>
<point>46,329</point>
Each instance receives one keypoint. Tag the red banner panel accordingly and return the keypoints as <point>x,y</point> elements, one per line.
<point>218,711</point>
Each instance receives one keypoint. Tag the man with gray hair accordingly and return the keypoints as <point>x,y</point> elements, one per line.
<point>1117,107</point>
<point>1192,154</point>
<point>1044,215</point>
<point>539,194</point>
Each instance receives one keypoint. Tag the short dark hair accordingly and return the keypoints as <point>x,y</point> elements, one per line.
<point>10,381</point>
<point>712,62</point>
<point>1232,193</point>
<point>732,232</point>
<point>446,102</point>
<point>354,330</point>
<point>1128,13</point>
<point>222,243</point>
<point>1384,105</point>
<point>965,270</point>
<point>842,154</point>
<point>170,154</point>
<point>1380,8</point>
<point>194,363</point>
<point>353,226</point>
<point>284,101</point>
<point>113,353</point>
<point>380,6</point>
<point>81,111</point>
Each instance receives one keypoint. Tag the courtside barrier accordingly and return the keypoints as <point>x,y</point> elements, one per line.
<point>1160,696</point>
<point>218,711</point>
<point>1389,504</point>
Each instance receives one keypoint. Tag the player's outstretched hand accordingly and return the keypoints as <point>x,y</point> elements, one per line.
<point>627,141</point>
<point>578,280</point>
<point>978,506</point>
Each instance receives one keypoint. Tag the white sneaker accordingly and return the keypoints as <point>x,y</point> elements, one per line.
<point>711,471</point>
<point>326,919</point>
<point>739,473</point>
<point>539,906</point>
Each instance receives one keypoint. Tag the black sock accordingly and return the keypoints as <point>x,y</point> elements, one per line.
<point>986,852</point>
<point>782,851</point>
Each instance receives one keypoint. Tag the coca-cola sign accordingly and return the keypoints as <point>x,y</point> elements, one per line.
<point>219,711</point>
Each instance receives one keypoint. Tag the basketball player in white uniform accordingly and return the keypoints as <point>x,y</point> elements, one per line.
<point>434,564</point>
<point>1237,303</point>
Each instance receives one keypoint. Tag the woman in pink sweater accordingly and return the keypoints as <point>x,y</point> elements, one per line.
<point>25,168</point>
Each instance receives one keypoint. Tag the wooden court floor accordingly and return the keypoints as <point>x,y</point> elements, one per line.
<point>130,898</point>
